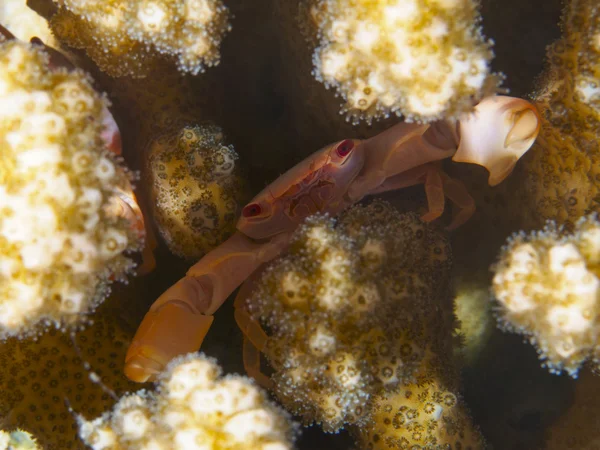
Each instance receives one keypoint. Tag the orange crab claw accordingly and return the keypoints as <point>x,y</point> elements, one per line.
<point>146,357</point>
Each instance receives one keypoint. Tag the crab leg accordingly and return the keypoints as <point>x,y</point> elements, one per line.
<point>397,150</point>
<point>255,341</point>
<point>255,338</point>
<point>496,135</point>
<point>438,185</point>
<point>186,308</point>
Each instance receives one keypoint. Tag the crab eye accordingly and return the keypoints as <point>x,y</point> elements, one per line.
<point>344,148</point>
<point>251,210</point>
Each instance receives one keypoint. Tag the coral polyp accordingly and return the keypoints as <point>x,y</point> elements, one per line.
<point>560,177</point>
<point>17,440</point>
<point>422,59</point>
<point>194,407</point>
<point>60,239</point>
<point>214,102</point>
<point>548,289</point>
<point>195,189</point>
<point>352,325</point>
<point>126,38</point>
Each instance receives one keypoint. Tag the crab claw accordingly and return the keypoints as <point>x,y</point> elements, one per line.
<point>160,337</point>
<point>497,134</point>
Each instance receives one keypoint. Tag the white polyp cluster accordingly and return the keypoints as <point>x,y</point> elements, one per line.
<point>347,311</point>
<point>60,242</point>
<point>126,37</point>
<point>423,59</point>
<point>194,407</point>
<point>548,289</point>
<point>17,440</point>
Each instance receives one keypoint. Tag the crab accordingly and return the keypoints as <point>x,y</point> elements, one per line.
<point>496,135</point>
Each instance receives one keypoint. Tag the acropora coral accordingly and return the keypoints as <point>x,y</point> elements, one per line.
<point>126,38</point>
<point>195,189</point>
<point>547,288</point>
<point>61,241</point>
<point>17,440</point>
<point>421,59</point>
<point>193,407</point>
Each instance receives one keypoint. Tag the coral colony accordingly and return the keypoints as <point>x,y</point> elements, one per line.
<point>351,308</point>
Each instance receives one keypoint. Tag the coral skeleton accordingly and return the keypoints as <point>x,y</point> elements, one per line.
<point>42,381</point>
<point>422,414</point>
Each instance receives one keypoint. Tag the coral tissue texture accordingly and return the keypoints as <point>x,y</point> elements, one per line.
<point>423,59</point>
<point>332,308</point>
<point>194,407</point>
<point>560,178</point>
<point>195,189</point>
<point>548,289</point>
<point>60,238</point>
<point>125,38</point>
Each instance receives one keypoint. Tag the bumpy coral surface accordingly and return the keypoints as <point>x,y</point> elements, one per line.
<point>333,306</point>
<point>548,289</point>
<point>17,440</point>
<point>560,178</point>
<point>61,241</point>
<point>125,38</point>
<point>195,189</point>
<point>39,377</point>
<point>194,407</point>
<point>424,414</point>
<point>423,59</point>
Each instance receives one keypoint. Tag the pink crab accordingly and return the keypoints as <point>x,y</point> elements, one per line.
<point>495,136</point>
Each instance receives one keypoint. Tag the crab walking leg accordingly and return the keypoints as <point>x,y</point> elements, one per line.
<point>438,185</point>
<point>399,149</point>
<point>255,338</point>
<point>458,193</point>
<point>180,318</point>
<point>255,342</point>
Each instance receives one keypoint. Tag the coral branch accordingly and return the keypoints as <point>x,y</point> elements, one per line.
<point>193,404</point>
<point>424,59</point>
<point>61,242</point>
<point>548,289</point>
<point>126,38</point>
